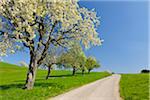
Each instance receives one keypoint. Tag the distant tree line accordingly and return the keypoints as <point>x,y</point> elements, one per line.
<point>145,71</point>
<point>73,58</point>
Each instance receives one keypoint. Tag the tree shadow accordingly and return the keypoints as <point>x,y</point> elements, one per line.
<point>79,73</point>
<point>21,85</point>
<point>43,78</point>
<point>8,86</point>
<point>68,75</point>
<point>61,75</point>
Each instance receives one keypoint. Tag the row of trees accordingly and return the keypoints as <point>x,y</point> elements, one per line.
<point>73,58</point>
<point>39,25</point>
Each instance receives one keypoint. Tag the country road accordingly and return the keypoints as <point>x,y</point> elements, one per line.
<point>103,89</point>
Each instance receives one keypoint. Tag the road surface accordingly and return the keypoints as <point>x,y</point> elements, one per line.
<point>103,89</point>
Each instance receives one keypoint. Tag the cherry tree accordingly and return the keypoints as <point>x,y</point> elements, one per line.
<point>73,58</point>
<point>52,58</point>
<point>38,24</point>
<point>82,60</point>
<point>91,63</point>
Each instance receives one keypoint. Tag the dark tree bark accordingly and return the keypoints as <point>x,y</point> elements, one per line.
<point>49,72</point>
<point>31,75</point>
<point>74,70</point>
<point>89,70</point>
<point>83,71</point>
<point>36,60</point>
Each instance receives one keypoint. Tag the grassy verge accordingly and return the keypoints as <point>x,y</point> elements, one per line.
<point>134,86</point>
<point>12,79</point>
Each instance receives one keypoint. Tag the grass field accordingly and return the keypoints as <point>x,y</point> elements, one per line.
<point>12,79</point>
<point>135,86</point>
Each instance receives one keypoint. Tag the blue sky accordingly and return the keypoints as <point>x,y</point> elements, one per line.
<point>124,28</point>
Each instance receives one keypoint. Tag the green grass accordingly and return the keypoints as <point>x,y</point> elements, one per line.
<point>134,86</point>
<point>12,79</point>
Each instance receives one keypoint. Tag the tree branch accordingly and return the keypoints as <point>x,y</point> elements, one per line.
<point>63,32</point>
<point>44,52</point>
<point>41,32</point>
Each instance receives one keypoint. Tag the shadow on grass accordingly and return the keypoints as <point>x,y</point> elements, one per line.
<point>78,73</point>
<point>8,86</point>
<point>68,75</point>
<point>21,85</point>
<point>61,75</point>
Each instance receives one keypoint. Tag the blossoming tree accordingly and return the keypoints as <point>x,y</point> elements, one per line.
<point>38,24</point>
<point>72,58</point>
<point>91,63</point>
<point>52,58</point>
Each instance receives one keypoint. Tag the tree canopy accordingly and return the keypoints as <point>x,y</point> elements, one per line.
<point>91,63</point>
<point>72,58</point>
<point>39,24</point>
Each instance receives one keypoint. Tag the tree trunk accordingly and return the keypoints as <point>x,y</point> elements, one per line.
<point>30,79</point>
<point>89,70</point>
<point>74,70</point>
<point>49,72</point>
<point>82,71</point>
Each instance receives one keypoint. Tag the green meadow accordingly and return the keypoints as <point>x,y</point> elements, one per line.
<point>135,86</point>
<point>12,79</point>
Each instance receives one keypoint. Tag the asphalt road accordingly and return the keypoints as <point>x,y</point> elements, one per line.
<point>103,89</point>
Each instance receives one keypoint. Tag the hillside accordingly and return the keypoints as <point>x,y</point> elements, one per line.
<point>12,79</point>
